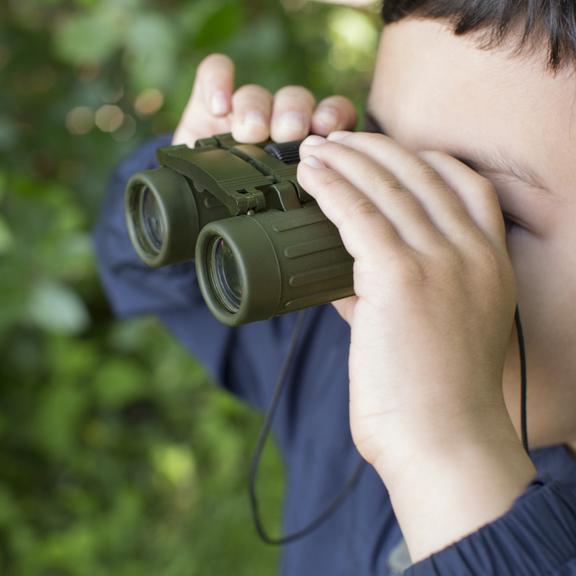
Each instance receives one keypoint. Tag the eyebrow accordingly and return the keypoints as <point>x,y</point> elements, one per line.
<point>496,162</point>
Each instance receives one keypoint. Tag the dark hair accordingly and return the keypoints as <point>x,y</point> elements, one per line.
<point>551,21</point>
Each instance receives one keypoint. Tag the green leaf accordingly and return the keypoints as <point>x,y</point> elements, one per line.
<point>9,509</point>
<point>151,51</point>
<point>69,257</point>
<point>119,382</point>
<point>8,133</point>
<point>220,25</point>
<point>58,417</point>
<point>6,238</point>
<point>3,180</point>
<point>88,38</point>
<point>15,294</point>
<point>56,308</point>
<point>174,464</point>
<point>72,359</point>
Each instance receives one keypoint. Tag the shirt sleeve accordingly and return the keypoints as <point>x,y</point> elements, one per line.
<point>244,360</point>
<point>536,537</point>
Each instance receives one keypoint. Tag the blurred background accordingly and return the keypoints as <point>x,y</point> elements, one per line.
<point>117,454</point>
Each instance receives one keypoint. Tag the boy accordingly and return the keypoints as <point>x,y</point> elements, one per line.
<point>424,357</point>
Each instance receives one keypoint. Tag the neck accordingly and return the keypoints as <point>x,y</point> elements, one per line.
<point>572,448</point>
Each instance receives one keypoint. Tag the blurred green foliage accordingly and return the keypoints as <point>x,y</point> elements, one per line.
<point>117,456</point>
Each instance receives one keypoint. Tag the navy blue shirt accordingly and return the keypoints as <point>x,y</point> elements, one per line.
<point>536,537</point>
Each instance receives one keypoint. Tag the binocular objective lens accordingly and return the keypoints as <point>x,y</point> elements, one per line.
<point>153,226</point>
<point>225,274</point>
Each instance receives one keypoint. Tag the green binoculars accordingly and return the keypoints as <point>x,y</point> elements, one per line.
<point>261,245</point>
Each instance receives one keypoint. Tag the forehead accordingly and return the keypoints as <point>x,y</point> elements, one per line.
<point>434,90</point>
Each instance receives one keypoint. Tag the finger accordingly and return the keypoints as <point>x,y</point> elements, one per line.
<point>214,84</point>
<point>252,109</point>
<point>334,113</point>
<point>384,190</point>
<point>292,113</point>
<point>482,205</point>
<point>196,124</point>
<point>212,90</point>
<point>442,204</point>
<point>363,228</point>
<point>436,193</point>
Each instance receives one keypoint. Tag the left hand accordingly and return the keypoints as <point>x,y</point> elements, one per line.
<point>435,294</point>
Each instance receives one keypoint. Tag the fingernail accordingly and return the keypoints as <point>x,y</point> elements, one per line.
<point>254,118</point>
<point>314,141</point>
<point>339,135</point>
<point>313,162</point>
<point>328,118</point>
<point>291,122</point>
<point>219,103</point>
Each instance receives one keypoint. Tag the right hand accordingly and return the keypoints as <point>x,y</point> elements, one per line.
<point>253,114</point>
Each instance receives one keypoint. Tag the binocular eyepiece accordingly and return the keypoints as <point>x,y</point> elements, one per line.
<point>146,210</point>
<point>260,243</point>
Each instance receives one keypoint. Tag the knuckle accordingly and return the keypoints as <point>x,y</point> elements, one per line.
<point>407,271</point>
<point>388,181</point>
<point>399,194</point>
<point>448,261</point>
<point>489,261</point>
<point>362,209</point>
<point>333,179</point>
<point>493,275</point>
<point>424,171</point>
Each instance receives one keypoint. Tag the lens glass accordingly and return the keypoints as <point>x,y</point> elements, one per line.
<point>225,274</point>
<point>152,221</point>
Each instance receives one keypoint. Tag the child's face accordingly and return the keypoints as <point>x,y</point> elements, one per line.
<point>433,90</point>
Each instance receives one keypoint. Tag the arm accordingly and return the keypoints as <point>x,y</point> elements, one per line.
<point>245,360</point>
<point>537,536</point>
<point>172,294</point>
<point>431,324</point>
<point>454,478</point>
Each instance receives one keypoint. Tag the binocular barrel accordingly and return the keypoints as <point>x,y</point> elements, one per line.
<point>255,267</point>
<point>261,245</point>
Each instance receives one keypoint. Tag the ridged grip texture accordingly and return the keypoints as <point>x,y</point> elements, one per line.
<point>287,152</point>
<point>315,266</point>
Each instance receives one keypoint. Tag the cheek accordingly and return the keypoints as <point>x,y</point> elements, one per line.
<point>546,282</point>
<point>546,276</point>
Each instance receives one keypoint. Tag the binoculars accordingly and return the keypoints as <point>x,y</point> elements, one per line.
<point>261,245</point>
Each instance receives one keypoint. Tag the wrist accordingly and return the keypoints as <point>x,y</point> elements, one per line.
<point>451,486</point>
<point>430,437</point>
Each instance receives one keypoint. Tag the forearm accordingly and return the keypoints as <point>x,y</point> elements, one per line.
<point>456,482</point>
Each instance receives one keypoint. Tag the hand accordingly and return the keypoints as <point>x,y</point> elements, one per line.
<point>252,114</point>
<point>431,318</point>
